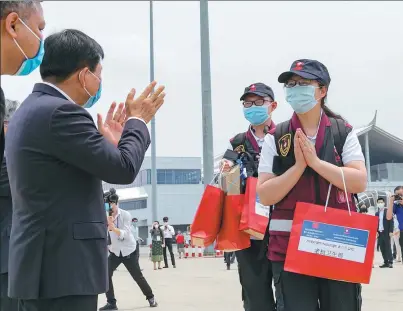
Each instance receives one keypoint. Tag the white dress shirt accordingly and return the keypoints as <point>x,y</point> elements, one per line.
<point>381,215</point>
<point>169,231</point>
<point>69,98</point>
<point>125,242</point>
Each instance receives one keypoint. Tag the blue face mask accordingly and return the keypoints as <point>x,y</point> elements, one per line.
<point>93,99</point>
<point>301,98</point>
<point>256,115</point>
<point>30,64</point>
<point>107,207</point>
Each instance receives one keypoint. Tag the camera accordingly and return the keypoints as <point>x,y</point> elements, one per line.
<point>109,198</point>
<point>397,198</point>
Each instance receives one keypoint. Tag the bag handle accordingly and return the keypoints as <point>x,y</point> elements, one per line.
<point>215,176</point>
<point>345,192</point>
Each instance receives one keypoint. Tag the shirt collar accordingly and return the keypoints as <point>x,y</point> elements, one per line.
<point>60,91</point>
<point>252,130</point>
<point>317,130</point>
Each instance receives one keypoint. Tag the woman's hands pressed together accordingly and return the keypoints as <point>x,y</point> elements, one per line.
<point>307,148</point>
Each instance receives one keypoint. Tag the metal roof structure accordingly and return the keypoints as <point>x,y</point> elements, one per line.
<point>384,147</point>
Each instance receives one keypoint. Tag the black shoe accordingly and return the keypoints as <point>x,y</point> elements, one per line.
<point>390,265</point>
<point>109,306</point>
<point>385,265</point>
<point>165,267</point>
<point>174,266</point>
<point>152,303</point>
<point>228,268</point>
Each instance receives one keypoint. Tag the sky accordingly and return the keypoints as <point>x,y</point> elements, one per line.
<point>359,42</point>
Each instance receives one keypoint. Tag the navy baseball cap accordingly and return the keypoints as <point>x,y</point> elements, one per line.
<point>307,69</point>
<point>259,89</point>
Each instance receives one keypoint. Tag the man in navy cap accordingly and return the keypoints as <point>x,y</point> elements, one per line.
<point>254,271</point>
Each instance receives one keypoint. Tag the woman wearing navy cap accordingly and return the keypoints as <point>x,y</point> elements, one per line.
<point>297,164</point>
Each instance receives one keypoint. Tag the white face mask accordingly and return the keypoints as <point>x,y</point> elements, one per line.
<point>381,205</point>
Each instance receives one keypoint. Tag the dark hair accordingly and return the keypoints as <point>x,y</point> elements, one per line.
<point>165,218</point>
<point>325,108</point>
<point>398,188</point>
<point>381,199</point>
<point>68,51</point>
<point>22,8</point>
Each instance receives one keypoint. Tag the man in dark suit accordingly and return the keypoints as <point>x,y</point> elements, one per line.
<point>385,232</point>
<point>21,26</point>
<point>21,37</point>
<point>6,203</point>
<point>56,161</point>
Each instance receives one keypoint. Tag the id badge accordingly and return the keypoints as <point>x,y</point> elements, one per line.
<point>158,238</point>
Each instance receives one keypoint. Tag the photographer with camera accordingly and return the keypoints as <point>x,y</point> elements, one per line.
<point>124,249</point>
<point>396,208</point>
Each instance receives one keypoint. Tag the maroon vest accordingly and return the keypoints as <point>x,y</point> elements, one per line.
<point>311,188</point>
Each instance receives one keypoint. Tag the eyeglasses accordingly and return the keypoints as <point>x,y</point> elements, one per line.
<point>259,102</point>
<point>292,83</point>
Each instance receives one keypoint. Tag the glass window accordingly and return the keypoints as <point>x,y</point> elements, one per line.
<point>133,205</point>
<point>176,177</point>
<point>161,177</point>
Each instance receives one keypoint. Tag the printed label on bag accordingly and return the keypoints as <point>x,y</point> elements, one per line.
<point>261,209</point>
<point>333,241</point>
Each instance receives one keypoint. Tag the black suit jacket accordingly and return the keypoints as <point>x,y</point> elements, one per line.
<point>5,217</point>
<point>2,113</point>
<point>387,224</point>
<point>56,159</point>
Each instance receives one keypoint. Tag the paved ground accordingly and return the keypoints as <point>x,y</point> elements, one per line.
<point>204,284</point>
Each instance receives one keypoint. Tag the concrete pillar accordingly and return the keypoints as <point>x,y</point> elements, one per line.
<point>367,157</point>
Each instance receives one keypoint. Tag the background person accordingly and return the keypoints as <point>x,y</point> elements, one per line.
<point>169,233</point>
<point>385,233</point>
<point>123,249</point>
<point>180,242</point>
<point>297,164</point>
<point>395,240</point>
<point>396,208</point>
<point>158,243</point>
<point>61,156</point>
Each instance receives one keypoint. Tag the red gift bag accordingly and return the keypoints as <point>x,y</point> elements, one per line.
<point>255,216</point>
<point>230,238</point>
<point>331,243</point>
<point>207,221</point>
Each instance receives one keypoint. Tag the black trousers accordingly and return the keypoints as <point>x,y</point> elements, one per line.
<point>297,292</point>
<point>229,258</point>
<point>401,240</point>
<point>168,245</point>
<point>131,263</point>
<point>386,248</point>
<point>256,279</point>
<point>6,303</point>
<point>68,303</point>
